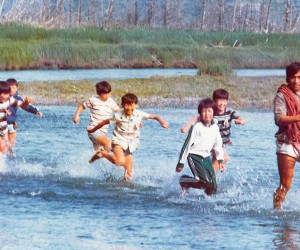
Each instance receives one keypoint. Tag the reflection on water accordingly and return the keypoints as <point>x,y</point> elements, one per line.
<point>286,236</point>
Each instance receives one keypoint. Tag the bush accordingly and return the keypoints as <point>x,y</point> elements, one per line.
<point>216,68</point>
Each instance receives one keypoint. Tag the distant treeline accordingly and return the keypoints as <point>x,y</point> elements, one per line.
<point>214,53</point>
<point>262,16</point>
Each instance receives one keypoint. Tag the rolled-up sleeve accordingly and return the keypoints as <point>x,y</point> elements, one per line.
<point>279,107</point>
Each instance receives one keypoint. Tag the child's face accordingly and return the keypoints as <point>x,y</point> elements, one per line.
<point>104,96</point>
<point>128,108</point>
<point>13,89</point>
<point>207,114</point>
<point>294,82</point>
<point>4,97</point>
<point>221,105</point>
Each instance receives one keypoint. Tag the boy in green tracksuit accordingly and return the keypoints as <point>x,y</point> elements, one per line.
<point>203,137</point>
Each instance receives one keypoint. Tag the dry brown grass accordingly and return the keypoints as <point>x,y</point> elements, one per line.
<point>184,91</point>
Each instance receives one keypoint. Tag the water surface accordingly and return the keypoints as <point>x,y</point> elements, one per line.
<point>118,74</point>
<point>51,198</point>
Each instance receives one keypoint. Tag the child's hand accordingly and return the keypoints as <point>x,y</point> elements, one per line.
<point>39,114</point>
<point>179,167</point>
<point>164,124</point>
<point>76,119</point>
<point>28,99</point>
<point>183,130</point>
<point>222,167</point>
<point>90,129</point>
<point>8,112</point>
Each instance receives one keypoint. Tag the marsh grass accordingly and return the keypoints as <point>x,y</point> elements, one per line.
<point>24,47</point>
<point>184,91</point>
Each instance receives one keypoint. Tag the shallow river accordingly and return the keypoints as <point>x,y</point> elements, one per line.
<point>51,198</point>
<point>112,74</point>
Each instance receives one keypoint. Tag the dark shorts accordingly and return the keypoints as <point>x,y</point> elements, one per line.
<point>126,151</point>
<point>204,174</point>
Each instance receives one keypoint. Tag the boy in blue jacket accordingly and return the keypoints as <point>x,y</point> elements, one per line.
<point>12,116</point>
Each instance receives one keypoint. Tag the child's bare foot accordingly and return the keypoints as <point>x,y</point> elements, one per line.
<point>96,156</point>
<point>184,190</point>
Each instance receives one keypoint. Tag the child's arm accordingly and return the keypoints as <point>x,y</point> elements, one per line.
<point>79,110</point>
<point>99,125</point>
<point>25,104</point>
<point>239,120</point>
<point>187,126</point>
<point>160,120</point>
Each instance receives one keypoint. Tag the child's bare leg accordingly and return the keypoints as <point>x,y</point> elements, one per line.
<point>105,142</point>
<point>128,167</point>
<point>3,144</point>
<point>286,165</point>
<point>12,139</point>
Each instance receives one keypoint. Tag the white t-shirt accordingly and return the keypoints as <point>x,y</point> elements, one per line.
<point>100,110</point>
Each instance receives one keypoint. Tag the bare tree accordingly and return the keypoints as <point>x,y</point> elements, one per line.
<point>110,10</point>
<point>287,16</point>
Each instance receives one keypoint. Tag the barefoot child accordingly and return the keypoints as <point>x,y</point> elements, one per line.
<point>101,107</point>
<point>203,137</point>
<point>224,115</point>
<point>126,134</point>
<point>7,101</point>
<point>11,118</point>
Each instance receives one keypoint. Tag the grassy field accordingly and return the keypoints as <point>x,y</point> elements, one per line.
<point>26,47</point>
<point>185,91</point>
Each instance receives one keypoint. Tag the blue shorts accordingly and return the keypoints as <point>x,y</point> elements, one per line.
<point>93,137</point>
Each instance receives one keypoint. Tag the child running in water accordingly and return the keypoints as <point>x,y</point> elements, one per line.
<point>101,107</point>
<point>7,101</point>
<point>224,115</point>
<point>126,134</point>
<point>12,117</point>
<point>203,137</point>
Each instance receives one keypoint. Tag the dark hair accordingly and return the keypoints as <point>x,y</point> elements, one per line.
<point>292,70</point>
<point>103,87</point>
<point>4,87</point>
<point>129,98</point>
<point>220,94</point>
<point>206,103</point>
<point>12,81</point>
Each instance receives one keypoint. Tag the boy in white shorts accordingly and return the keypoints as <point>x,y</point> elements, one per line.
<point>126,134</point>
<point>287,118</point>
<point>101,107</point>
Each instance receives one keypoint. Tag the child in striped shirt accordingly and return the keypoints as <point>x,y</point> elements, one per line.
<point>224,116</point>
<point>101,107</point>
<point>7,101</point>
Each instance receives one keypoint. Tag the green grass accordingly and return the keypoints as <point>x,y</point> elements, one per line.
<point>25,47</point>
<point>184,91</point>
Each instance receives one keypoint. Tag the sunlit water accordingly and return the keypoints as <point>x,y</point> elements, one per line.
<point>51,198</point>
<point>118,74</point>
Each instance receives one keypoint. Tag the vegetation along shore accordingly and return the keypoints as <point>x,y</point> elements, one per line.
<point>28,47</point>
<point>183,91</point>
<point>215,54</point>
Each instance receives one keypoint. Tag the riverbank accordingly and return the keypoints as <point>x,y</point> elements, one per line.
<point>27,47</point>
<point>183,91</point>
